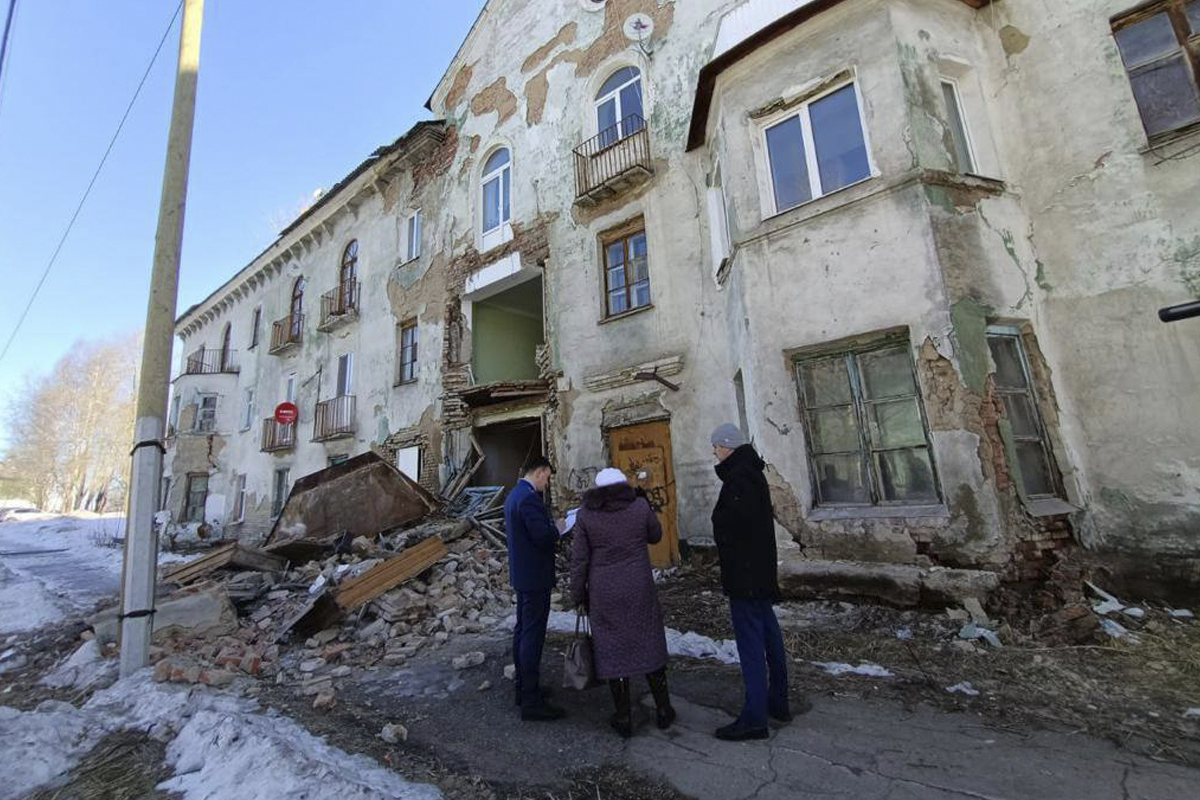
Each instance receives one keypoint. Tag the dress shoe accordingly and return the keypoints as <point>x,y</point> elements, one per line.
<point>739,732</point>
<point>543,713</point>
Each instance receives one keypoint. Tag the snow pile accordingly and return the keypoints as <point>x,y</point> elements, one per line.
<point>83,668</point>
<point>221,747</point>
<point>27,603</point>
<point>690,644</point>
<point>865,669</point>
<point>963,688</point>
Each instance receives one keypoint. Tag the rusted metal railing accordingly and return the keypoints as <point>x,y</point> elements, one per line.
<point>339,302</point>
<point>334,417</point>
<point>277,436</point>
<point>612,154</point>
<point>286,332</point>
<point>210,362</point>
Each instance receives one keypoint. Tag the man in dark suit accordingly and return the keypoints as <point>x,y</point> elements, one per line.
<point>532,538</point>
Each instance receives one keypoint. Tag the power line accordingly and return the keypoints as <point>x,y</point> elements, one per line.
<point>92,182</point>
<point>8,25</point>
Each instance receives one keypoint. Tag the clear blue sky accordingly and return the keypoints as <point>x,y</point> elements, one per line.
<point>292,96</point>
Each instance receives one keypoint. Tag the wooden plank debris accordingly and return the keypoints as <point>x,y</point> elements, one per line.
<point>234,556</point>
<point>391,573</point>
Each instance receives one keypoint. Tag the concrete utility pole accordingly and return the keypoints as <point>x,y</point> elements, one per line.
<point>141,538</point>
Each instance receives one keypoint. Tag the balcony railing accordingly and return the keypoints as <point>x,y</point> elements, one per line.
<point>614,159</point>
<point>339,305</point>
<point>277,436</point>
<point>287,332</point>
<point>334,418</point>
<point>210,362</point>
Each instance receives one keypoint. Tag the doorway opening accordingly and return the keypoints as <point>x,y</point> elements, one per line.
<point>507,446</point>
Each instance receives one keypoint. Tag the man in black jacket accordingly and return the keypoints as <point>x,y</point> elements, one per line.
<point>744,530</point>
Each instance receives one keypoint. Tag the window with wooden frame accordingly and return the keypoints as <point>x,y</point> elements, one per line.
<point>206,414</point>
<point>239,498</point>
<point>868,442</point>
<point>1013,380</point>
<point>195,498</point>
<point>255,324</point>
<point>406,371</point>
<point>1160,45</point>
<point>282,485</point>
<point>626,270</point>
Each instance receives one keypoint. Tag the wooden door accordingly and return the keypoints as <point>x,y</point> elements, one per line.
<point>643,453</point>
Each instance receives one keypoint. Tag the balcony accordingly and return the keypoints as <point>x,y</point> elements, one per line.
<point>339,305</point>
<point>276,436</point>
<point>286,333</point>
<point>211,362</point>
<point>614,160</point>
<point>334,418</point>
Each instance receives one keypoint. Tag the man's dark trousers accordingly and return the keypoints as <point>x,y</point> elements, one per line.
<point>763,660</point>
<point>529,637</point>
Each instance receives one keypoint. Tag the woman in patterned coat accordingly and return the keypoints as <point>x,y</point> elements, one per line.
<point>611,577</point>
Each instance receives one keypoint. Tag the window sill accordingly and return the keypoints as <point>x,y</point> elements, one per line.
<point>1154,143</point>
<point>808,204</point>
<point>827,513</point>
<point>1049,507</point>
<point>625,314</point>
<point>408,382</point>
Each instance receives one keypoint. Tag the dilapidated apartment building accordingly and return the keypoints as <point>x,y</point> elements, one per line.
<point>915,247</point>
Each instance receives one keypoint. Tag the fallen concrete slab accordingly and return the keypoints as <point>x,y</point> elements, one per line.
<point>206,612</point>
<point>904,585</point>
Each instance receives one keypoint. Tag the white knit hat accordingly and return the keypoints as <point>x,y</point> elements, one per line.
<point>610,476</point>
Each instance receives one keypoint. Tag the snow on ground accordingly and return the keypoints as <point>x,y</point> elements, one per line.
<point>865,669</point>
<point>27,603</point>
<point>221,747</point>
<point>690,644</point>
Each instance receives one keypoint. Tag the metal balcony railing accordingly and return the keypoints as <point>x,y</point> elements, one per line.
<point>277,436</point>
<point>613,159</point>
<point>334,418</point>
<point>210,362</point>
<point>339,304</point>
<point>287,332</point>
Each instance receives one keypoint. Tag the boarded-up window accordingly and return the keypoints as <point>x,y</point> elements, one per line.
<point>867,438</point>
<point>239,499</point>
<point>1160,46</point>
<point>408,461</point>
<point>195,498</point>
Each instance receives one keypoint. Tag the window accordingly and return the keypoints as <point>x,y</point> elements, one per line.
<point>255,324</point>
<point>173,415</point>
<point>867,440</point>
<point>1035,464</point>
<point>289,388</point>
<point>226,341</point>
<point>206,414</point>
<point>626,274</point>
<point>408,353</point>
<point>279,496</point>
<point>1160,46</point>
<point>739,394</point>
<point>817,149</point>
<point>619,110</point>
<point>296,311</point>
<point>239,499</point>
<point>248,410</point>
<point>964,154</point>
<point>165,498</point>
<point>345,374</point>
<point>497,188</point>
<point>333,461</point>
<point>196,497</point>
<point>348,273</point>
<point>413,236</point>
<point>408,461</point>
<point>718,221</point>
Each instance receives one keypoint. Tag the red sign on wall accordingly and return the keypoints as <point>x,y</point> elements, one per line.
<point>286,413</point>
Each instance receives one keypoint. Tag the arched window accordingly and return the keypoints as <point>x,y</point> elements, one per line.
<point>619,110</point>
<point>226,359</point>
<point>497,188</point>
<point>348,277</point>
<point>296,314</point>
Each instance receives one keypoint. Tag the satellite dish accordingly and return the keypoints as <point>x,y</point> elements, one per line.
<point>639,28</point>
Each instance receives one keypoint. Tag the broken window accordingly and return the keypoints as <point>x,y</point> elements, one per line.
<point>718,221</point>
<point>206,415</point>
<point>413,236</point>
<point>964,154</point>
<point>279,496</point>
<point>626,273</point>
<point>195,498</point>
<point>818,148</point>
<point>739,394</point>
<point>497,190</point>
<point>1030,447</point>
<point>255,324</point>
<point>868,443</point>
<point>1160,46</point>
<point>239,499</point>
<point>408,353</point>
<point>619,111</point>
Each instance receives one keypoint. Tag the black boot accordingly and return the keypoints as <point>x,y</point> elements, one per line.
<point>622,721</point>
<point>664,712</point>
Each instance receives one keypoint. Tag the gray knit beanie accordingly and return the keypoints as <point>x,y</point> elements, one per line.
<point>728,435</point>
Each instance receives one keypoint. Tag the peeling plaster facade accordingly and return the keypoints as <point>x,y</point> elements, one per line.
<point>1070,230</point>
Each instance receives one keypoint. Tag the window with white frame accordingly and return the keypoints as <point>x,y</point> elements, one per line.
<point>206,413</point>
<point>173,415</point>
<point>289,388</point>
<point>239,498</point>
<point>248,410</point>
<point>496,188</point>
<point>964,149</point>
<point>345,375</point>
<point>817,148</point>
<point>619,107</point>
<point>408,461</point>
<point>412,236</point>
<point>281,487</point>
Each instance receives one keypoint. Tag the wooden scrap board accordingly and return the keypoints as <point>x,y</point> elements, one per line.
<point>231,555</point>
<point>391,573</point>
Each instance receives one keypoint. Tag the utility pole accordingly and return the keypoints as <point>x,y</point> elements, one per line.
<point>141,539</point>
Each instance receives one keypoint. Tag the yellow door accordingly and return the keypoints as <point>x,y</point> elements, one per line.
<point>643,453</point>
